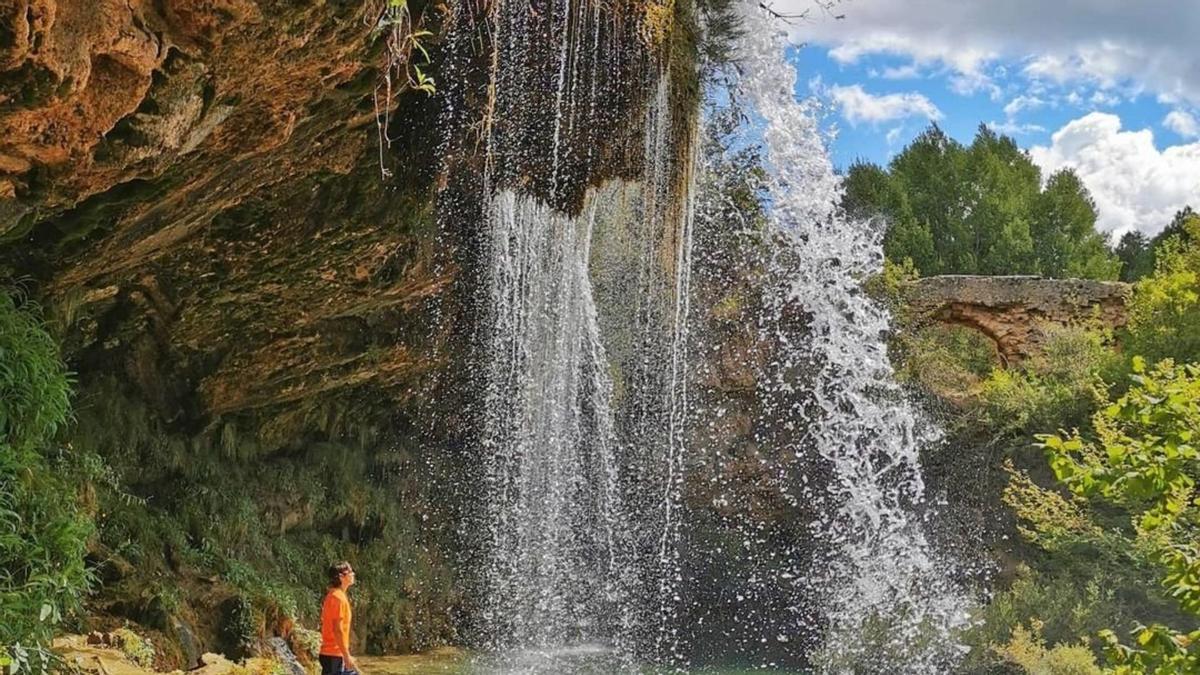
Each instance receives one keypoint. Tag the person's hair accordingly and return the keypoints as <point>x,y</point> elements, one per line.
<point>336,571</point>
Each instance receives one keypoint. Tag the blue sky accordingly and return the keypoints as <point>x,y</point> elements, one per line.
<point>961,113</point>
<point>1110,88</point>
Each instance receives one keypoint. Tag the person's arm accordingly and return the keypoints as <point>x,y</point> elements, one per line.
<point>350,664</point>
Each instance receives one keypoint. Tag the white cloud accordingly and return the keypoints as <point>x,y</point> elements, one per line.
<point>893,135</point>
<point>860,106</point>
<point>1104,99</point>
<point>1182,123</point>
<point>1022,103</point>
<point>1134,184</point>
<point>967,84</point>
<point>905,72</point>
<point>1114,45</point>
<point>1011,128</point>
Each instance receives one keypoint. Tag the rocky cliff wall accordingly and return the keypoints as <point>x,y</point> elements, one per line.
<point>268,333</point>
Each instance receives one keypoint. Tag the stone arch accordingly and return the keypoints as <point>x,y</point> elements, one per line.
<point>1014,311</point>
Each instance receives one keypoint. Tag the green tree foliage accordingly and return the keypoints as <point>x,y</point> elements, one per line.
<point>1146,459</point>
<point>1178,226</point>
<point>1138,253</point>
<point>1136,256</point>
<point>930,172</point>
<point>980,209</point>
<point>1065,239</point>
<point>999,195</point>
<point>1164,313</point>
<point>42,530</point>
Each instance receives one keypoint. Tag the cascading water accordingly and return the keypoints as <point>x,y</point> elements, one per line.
<point>584,372</point>
<point>561,568</point>
<point>581,479</point>
<point>889,600</point>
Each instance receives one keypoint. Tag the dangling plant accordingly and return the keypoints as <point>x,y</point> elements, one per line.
<point>403,36</point>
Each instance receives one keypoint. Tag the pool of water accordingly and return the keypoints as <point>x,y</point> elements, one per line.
<point>586,659</point>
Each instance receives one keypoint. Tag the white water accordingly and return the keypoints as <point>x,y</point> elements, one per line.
<point>585,476</point>
<point>561,569</point>
<point>581,517</point>
<point>890,600</point>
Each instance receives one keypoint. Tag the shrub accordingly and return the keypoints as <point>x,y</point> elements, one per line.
<point>306,643</point>
<point>947,361</point>
<point>1145,459</point>
<point>1027,649</point>
<point>1164,312</point>
<point>43,531</point>
<point>1053,391</point>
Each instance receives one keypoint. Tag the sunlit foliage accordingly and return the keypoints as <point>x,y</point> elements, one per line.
<point>1145,458</point>
<point>980,209</point>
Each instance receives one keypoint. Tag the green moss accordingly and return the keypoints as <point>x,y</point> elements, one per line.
<point>137,648</point>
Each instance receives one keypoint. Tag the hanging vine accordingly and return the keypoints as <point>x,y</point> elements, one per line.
<point>403,36</point>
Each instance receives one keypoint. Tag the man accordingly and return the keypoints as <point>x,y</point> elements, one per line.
<point>335,623</point>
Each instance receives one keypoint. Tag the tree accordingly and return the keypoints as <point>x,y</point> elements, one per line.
<point>1064,234</point>
<point>1177,225</point>
<point>1164,312</point>
<point>871,193</point>
<point>1136,256</point>
<point>930,172</point>
<point>979,210</point>
<point>1001,189</point>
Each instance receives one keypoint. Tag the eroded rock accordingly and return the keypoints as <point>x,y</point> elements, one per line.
<point>1014,311</point>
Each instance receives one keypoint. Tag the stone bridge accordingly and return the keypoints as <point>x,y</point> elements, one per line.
<point>1014,311</point>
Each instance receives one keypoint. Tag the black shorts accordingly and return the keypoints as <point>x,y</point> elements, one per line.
<point>332,665</point>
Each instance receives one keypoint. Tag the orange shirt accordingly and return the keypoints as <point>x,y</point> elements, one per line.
<point>336,606</point>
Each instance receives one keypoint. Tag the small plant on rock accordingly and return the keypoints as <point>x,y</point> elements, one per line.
<point>137,648</point>
<point>403,37</point>
<point>306,643</point>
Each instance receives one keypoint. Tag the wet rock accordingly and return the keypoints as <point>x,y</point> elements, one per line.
<point>283,653</point>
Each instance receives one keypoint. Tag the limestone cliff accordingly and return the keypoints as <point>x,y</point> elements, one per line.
<point>268,331</point>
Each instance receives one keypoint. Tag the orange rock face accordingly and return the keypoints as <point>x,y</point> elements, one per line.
<point>93,94</point>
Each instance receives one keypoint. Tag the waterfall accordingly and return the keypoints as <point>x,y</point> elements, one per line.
<point>584,370</point>
<point>561,567</point>
<point>581,364</point>
<point>889,599</point>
